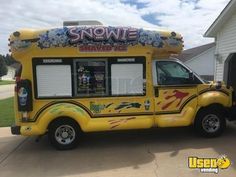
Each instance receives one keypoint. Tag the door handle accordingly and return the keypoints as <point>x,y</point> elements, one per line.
<point>156,92</point>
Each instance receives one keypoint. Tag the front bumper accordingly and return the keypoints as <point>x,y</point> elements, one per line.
<point>15,130</point>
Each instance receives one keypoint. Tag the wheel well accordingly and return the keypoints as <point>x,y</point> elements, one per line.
<point>63,119</point>
<point>215,106</point>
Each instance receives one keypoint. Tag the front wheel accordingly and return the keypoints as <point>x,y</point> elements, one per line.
<point>210,122</point>
<point>63,134</point>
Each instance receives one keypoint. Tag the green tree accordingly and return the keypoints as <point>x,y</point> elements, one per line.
<point>3,67</point>
<point>8,59</point>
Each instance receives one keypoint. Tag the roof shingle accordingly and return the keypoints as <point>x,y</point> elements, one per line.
<point>190,53</point>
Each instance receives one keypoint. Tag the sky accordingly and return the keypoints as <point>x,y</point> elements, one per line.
<point>191,18</point>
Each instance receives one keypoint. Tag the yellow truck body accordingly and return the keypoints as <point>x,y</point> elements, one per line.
<point>100,107</point>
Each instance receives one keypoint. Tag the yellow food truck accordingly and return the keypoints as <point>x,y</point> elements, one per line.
<point>99,78</point>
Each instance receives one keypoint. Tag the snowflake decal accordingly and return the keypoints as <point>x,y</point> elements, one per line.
<point>113,36</point>
<point>54,38</point>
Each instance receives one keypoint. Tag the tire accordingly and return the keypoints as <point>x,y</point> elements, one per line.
<point>64,134</point>
<point>210,122</point>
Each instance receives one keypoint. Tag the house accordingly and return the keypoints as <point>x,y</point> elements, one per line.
<point>10,74</point>
<point>223,30</point>
<point>201,60</point>
<point>11,71</point>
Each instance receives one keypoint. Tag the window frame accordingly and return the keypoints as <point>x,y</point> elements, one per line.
<point>138,60</point>
<point>39,61</point>
<point>75,61</point>
<point>72,62</point>
<point>154,72</point>
<point>52,88</point>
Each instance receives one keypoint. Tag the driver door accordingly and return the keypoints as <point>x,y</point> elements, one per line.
<point>175,93</point>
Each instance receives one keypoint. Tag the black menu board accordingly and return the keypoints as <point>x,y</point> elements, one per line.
<point>91,77</point>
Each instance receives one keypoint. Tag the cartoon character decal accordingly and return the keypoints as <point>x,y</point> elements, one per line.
<point>22,94</point>
<point>83,79</point>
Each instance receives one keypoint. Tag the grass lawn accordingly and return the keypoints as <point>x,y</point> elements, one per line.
<point>6,112</point>
<point>6,82</point>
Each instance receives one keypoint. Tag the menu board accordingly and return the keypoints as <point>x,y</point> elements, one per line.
<point>91,77</point>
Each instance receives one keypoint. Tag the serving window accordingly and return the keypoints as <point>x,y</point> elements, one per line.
<point>54,80</point>
<point>127,76</point>
<point>110,76</point>
<point>127,79</point>
<point>91,77</point>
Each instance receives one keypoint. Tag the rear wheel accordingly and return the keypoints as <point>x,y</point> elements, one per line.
<point>210,122</point>
<point>64,134</point>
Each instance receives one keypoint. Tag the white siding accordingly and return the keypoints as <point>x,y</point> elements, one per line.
<point>203,64</point>
<point>10,74</point>
<point>225,44</point>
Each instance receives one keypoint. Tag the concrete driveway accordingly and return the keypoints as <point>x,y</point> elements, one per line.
<point>6,91</point>
<point>143,153</point>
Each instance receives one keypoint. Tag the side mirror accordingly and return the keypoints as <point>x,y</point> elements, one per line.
<point>191,76</point>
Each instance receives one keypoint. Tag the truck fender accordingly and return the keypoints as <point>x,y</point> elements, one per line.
<point>214,97</point>
<point>55,111</point>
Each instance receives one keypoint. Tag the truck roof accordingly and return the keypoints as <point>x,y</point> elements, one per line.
<point>77,36</point>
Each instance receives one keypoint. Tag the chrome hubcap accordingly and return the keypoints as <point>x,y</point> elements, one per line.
<point>211,123</point>
<point>65,134</point>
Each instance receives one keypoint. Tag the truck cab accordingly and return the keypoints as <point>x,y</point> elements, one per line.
<point>184,98</point>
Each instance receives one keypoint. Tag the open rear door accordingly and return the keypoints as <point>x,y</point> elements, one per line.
<point>230,80</point>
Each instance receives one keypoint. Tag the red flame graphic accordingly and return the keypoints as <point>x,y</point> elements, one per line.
<point>178,95</point>
<point>116,123</point>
